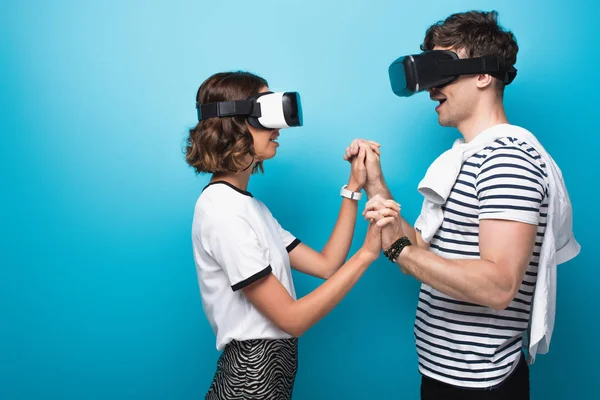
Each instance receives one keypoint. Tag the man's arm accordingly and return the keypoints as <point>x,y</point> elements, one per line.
<point>376,186</point>
<point>494,280</point>
<point>380,189</point>
<point>510,191</point>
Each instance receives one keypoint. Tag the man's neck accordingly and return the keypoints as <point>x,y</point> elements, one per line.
<point>482,119</point>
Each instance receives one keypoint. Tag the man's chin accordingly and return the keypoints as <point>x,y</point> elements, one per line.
<point>445,123</point>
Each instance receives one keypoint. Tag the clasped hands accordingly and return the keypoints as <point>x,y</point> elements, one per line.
<point>385,213</point>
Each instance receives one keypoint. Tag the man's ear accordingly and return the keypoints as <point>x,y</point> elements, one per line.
<point>484,80</point>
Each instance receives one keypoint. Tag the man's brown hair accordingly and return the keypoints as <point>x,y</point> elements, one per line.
<point>478,33</point>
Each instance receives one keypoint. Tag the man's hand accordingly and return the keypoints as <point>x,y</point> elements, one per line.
<point>386,213</point>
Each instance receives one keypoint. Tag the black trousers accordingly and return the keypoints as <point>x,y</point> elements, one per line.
<point>515,387</point>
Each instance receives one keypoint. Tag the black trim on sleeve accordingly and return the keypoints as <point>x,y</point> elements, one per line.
<point>293,245</point>
<point>244,192</point>
<point>252,279</point>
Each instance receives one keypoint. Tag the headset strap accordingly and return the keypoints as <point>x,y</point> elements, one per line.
<point>228,109</point>
<point>480,65</point>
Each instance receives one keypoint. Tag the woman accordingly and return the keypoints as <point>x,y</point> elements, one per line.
<point>243,256</point>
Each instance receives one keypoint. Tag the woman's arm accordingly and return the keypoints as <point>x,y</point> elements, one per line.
<point>295,317</point>
<point>325,263</point>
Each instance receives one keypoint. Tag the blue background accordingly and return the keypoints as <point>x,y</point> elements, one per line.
<point>98,291</point>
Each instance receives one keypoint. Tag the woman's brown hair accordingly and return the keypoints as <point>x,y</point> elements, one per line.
<point>221,144</point>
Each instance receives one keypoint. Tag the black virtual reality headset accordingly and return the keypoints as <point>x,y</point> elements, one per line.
<point>266,110</point>
<point>436,68</point>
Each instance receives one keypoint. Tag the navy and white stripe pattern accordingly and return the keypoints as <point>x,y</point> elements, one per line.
<point>468,345</point>
<point>258,369</point>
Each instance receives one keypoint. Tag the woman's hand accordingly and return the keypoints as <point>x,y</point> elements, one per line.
<point>358,169</point>
<point>371,248</point>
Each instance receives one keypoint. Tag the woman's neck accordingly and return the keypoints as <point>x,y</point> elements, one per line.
<point>237,179</point>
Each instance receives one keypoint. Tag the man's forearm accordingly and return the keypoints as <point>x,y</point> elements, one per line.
<point>380,188</point>
<point>474,281</point>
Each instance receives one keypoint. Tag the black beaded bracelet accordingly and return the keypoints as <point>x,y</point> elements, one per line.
<point>395,249</point>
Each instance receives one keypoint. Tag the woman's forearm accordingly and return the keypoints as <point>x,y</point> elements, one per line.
<point>308,310</point>
<point>338,245</point>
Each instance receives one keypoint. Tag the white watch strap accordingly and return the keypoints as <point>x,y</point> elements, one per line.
<point>350,194</point>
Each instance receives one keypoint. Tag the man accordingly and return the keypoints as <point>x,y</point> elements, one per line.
<point>479,263</point>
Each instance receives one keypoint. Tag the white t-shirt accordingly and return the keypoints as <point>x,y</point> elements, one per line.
<point>237,241</point>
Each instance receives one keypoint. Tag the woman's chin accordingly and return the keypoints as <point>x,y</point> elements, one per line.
<point>270,153</point>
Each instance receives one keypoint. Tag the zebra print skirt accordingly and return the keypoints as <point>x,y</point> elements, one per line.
<point>256,369</point>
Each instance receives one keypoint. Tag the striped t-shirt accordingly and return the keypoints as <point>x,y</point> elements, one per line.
<point>469,345</point>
